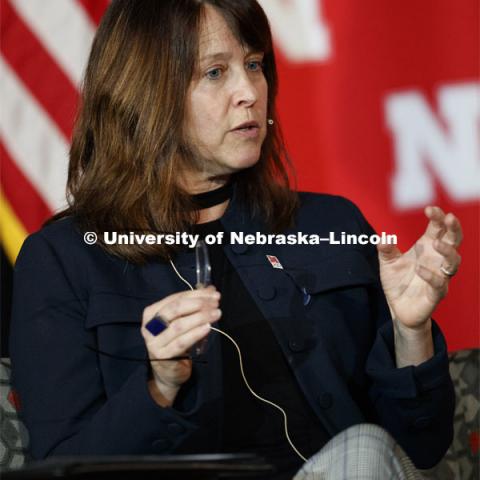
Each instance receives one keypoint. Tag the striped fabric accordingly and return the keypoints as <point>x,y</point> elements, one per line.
<point>44,49</point>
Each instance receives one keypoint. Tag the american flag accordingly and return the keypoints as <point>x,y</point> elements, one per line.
<point>44,49</point>
<point>45,46</point>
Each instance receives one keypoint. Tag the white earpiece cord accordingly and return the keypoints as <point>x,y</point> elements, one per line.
<point>285,421</point>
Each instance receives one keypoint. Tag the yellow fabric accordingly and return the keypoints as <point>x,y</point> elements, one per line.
<point>12,231</point>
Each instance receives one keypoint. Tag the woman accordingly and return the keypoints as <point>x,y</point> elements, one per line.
<point>177,133</point>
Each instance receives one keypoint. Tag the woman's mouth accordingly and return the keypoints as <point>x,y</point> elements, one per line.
<point>247,129</point>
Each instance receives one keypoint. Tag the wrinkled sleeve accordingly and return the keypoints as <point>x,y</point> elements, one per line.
<point>59,382</point>
<point>415,403</point>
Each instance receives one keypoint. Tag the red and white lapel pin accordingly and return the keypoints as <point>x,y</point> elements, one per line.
<point>274,261</point>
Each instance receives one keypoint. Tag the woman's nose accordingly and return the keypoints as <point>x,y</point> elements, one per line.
<point>244,91</point>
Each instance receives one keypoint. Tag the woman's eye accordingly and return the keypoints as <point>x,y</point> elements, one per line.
<point>214,74</point>
<point>255,65</point>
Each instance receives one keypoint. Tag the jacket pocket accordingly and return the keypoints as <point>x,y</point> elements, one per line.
<point>337,294</point>
<point>114,308</point>
<point>347,269</point>
<point>115,320</point>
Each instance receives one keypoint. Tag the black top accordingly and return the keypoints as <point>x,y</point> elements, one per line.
<point>250,425</point>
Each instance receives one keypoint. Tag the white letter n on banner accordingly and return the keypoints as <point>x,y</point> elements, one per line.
<point>425,146</point>
<point>299,29</point>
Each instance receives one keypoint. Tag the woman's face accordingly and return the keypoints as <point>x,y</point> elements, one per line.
<point>227,91</point>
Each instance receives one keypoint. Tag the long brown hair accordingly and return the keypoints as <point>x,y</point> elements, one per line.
<point>128,138</point>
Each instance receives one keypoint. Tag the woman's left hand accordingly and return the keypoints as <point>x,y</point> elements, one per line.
<point>414,282</point>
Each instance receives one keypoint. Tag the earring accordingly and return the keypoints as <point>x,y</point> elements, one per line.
<point>270,121</point>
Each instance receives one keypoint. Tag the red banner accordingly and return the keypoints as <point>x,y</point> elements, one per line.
<point>380,102</point>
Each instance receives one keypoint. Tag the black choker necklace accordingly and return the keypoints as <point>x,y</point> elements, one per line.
<point>213,197</point>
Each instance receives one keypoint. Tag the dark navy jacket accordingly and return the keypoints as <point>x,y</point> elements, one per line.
<point>70,296</point>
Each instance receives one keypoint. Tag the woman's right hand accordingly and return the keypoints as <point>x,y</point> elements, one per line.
<point>189,315</point>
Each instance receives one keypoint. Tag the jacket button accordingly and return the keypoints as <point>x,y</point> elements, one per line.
<point>161,444</point>
<point>296,345</point>
<point>239,248</point>
<point>422,422</point>
<point>175,428</point>
<point>325,400</point>
<point>306,297</point>
<point>266,293</point>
